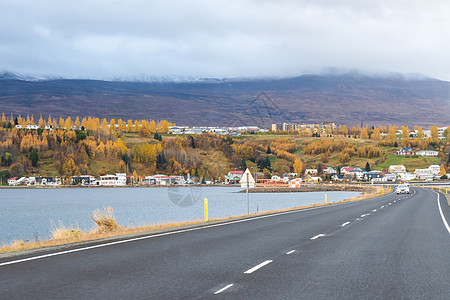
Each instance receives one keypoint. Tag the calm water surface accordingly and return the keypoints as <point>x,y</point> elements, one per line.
<point>28,213</point>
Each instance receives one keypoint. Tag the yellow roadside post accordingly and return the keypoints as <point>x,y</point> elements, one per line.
<point>382,191</point>
<point>325,199</point>
<point>365,195</point>
<point>206,209</point>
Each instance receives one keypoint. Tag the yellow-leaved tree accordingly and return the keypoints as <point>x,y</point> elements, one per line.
<point>442,172</point>
<point>364,133</point>
<point>135,176</point>
<point>434,134</point>
<point>376,135</point>
<point>298,167</point>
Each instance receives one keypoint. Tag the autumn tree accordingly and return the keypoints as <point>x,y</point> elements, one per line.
<point>120,125</point>
<point>442,171</point>
<point>434,134</point>
<point>345,129</point>
<point>364,133</point>
<point>129,126</point>
<point>376,135</point>
<point>152,126</point>
<point>135,176</point>
<point>70,168</point>
<point>298,167</point>
<point>102,172</point>
<point>405,136</point>
<point>112,125</point>
<point>41,123</point>
<point>68,123</point>
<point>420,134</point>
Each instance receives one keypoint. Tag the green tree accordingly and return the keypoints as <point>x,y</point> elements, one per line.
<point>367,167</point>
<point>6,159</point>
<point>34,157</point>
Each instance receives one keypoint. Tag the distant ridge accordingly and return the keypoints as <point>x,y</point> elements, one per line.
<point>341,98</point>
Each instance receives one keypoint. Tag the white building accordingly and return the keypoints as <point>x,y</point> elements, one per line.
<point>389,177</point>
<point>435,169</point>
<point>311,171</point>
<point>120,179</point>
<point>427,153</point>
<point>161,179</point>
<point>396,168</point>
<point>430,173</point>
<point>441,132</point>
<point>406,176</point>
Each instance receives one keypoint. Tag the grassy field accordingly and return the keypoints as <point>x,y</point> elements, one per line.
<point>410,162</point>
<point>47,167</point>
<point>110,166</point>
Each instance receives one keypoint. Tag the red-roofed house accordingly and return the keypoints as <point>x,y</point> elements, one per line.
<point>345,170</point>
<point>234,176</point>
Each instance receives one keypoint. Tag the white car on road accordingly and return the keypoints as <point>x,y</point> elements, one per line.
<point>402,189</point>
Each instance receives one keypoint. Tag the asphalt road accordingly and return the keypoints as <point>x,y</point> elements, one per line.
<point>392,247</point>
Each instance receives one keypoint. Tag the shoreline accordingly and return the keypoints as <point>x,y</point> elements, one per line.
<point>316,188</point>
<point>18,247</point>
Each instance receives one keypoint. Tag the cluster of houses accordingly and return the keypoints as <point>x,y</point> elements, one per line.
<point>322,128</point>
<point>426,133</point>
<point>231,131</point>
<point>33,127</point>
<point>50,181</point>
<point>395,172</point>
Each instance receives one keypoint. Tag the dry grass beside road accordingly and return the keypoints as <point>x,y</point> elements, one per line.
<point>107,226</point>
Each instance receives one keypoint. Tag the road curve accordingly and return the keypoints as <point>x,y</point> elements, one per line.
<point>392,247</point>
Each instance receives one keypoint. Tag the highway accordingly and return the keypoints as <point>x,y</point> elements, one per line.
<point>391,247</point>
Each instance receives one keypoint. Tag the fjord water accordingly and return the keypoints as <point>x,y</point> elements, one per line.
<point>27,213</point>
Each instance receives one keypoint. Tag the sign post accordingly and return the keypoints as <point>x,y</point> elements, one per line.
<point>247,181</point>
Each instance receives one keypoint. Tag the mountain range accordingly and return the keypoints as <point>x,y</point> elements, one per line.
<point>350,99</point>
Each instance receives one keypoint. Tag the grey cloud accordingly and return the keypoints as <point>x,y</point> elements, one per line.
<point>105,39</point>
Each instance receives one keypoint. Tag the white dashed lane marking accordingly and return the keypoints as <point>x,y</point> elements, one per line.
<point>250,271</point>
<point>317,236</point>
<point>223,289</point>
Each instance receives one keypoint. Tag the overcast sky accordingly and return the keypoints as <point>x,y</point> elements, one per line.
<point>107,39</point>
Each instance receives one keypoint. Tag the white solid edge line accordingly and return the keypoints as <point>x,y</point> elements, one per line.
<point>154,236</point>
<point>317,236</point>
<point>345,224</point>
<point>168,233</point>
<point>223,289</point>
<point>290,252</point>
<point>249,271</point>
<point>442,215</point>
